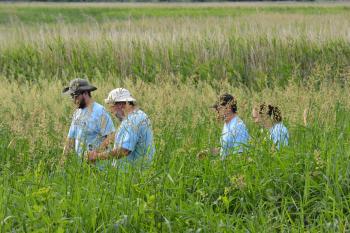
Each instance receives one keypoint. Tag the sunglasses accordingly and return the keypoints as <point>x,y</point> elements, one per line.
<point>118,103</point>
<point>75,95</point>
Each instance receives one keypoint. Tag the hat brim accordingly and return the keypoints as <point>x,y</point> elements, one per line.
<point>108,101</point>
<point>214,106</point>
<point>68,91</point>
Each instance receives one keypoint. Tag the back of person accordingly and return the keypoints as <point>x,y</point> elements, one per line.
<point>279,134</point>
<point>270,117</point>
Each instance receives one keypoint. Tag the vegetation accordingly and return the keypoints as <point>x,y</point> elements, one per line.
<point>176,66</point>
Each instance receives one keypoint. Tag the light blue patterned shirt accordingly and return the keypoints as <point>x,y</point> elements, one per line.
<point>89,128</point>
<point>279,134</point>
<point>234,137</point>
<point>135,135</point>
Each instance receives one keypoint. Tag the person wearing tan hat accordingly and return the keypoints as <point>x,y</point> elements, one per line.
<point>234,135</point>
<point>134,137</point>
<point>92,127</point>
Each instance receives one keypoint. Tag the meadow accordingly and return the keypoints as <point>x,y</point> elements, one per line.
<point>176,59</point>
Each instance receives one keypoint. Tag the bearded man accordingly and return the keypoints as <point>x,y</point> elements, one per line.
<point>92,128</point>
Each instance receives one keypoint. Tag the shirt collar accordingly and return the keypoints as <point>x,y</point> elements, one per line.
<point>132,113</point>
<point>275,126</point>
<point>233,121</point>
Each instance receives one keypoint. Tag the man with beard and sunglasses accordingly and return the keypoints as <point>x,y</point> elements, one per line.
<point>134,138</point>
<point>92,127</point>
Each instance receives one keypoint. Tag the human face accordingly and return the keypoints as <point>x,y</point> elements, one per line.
<point>79,100</point>
<point>118,110</point>
<point>222,112</point>
<point>255,116</point>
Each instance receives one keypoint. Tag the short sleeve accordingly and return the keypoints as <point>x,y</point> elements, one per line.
<point>106,124</point>
<point>126,137</point>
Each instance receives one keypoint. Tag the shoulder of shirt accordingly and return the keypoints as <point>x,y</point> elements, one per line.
<point>284,127</point>
<point>139,114</point>
<point>240,122</point>
<point>137,117</point>
<point>98,108</point>
<point>236,124</point>
<point>279,127</point>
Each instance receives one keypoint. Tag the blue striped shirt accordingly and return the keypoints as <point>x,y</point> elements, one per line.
<point>279,134</point>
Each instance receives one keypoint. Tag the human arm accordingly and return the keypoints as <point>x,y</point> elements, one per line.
<point>116,153</point>
<point>125,142</point>
<point>108,140</point>
<point>107,131</point>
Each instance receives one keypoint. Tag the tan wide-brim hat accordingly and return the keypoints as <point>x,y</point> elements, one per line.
<point>119,95</point>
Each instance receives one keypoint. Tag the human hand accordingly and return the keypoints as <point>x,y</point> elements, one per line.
<point>215,151</point>
<point>92,156</point>
<point>202,154</point>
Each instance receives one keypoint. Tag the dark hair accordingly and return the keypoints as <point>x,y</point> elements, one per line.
<point>228,100</point>
<point>129,102</point>
<point>234,108</point>
<point>272,111</point>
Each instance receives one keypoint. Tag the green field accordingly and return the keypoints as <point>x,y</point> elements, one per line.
<point>176,59</point>
<point>51,13</point>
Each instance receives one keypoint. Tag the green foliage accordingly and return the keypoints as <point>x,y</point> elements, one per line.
<point>303,186</point>
<point>81,13</point>
<point>247,62</point>
<point>175,74</point>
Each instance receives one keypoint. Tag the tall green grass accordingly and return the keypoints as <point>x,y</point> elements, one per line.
<point>303,187</point>
<point>270,191</point>
<point>257,62</point>
<point>176,67</point>
<point>242,61</point>
<point>53,13</point>
<point>258,49</point>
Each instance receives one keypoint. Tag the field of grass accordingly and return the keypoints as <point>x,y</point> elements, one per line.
<point>51,13</point>
<point>176,59</point>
